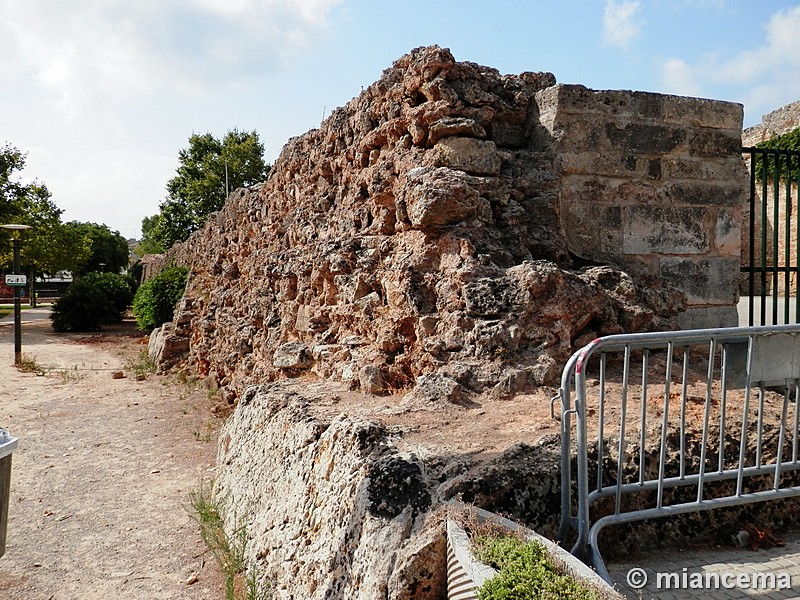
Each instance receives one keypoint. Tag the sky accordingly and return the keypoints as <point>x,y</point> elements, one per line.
<point>102,94</point>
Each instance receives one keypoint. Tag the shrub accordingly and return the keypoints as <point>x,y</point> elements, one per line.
<point>156,298</point>
<point>526,571</point>
<point>765,165</point>
<point>116,287</point>
<point>83,307</point>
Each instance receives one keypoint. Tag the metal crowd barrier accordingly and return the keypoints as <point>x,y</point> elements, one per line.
<point>658,400</point>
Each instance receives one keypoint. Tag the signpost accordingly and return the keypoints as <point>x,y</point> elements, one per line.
<point>17,280</point>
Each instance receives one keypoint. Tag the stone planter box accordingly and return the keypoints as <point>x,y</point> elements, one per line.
<point>465,574</point>
<point>7,446</point>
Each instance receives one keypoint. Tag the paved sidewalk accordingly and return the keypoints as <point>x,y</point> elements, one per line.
<point>29,315</point>
<point>692,566</point>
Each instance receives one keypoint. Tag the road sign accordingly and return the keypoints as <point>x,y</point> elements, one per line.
<point>17,280</point>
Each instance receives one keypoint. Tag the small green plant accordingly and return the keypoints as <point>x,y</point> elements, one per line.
<point>228,551</point>
<point>142,366</point>
<point>206,434</point>
<point>155,299</point>
<point>29,364</point>
<point>71,374</point>
<point>526,571</point>
<point>83,307</point>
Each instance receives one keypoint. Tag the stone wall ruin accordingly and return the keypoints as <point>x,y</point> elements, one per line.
<point>455,234</point>
<point>458,231</point>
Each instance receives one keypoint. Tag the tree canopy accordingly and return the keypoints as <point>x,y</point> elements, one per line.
<point>48,246</point>
<point>108,250</point>
<point>209,170</point>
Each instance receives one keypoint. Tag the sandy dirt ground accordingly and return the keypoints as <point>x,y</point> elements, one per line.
<point>102,473</point>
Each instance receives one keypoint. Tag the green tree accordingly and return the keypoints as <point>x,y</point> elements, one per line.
<point>49,245</point>
<point>209,169</point>
<point>108,249</point>
<point>155,300</point>
<point>148,243</point>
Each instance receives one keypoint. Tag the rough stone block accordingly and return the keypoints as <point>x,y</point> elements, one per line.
<point>469,154</point>
<point>707,317</point>
<point>370,379</point>
<point>454,126</point>
<point>714,143</point>
<point>705,168</point>
<point>728,233</point>
<point>706,281</point>
<point>611,164</point>
<point>292,355</point>
<point>719,194</point>
<point>701,112</point>
<point>439,198</point>
<point>663,230</point>
<point>645,138</point>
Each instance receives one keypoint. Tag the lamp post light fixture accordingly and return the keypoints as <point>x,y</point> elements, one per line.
<point>17,281</point>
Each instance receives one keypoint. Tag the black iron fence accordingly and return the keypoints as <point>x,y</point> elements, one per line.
<point>772,255</point>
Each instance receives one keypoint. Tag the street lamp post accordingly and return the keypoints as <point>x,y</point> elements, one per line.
<point>15,229</point>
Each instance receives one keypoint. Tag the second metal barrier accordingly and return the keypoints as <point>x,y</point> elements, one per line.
<point>676,422</point>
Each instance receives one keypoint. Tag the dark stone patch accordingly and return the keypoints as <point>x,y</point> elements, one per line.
<point>394,484</point>
<point>636,137</point>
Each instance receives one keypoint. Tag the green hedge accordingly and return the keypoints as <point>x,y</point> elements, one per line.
<point>155,300</point>
<point>83,307</point>
<point>116,287</point>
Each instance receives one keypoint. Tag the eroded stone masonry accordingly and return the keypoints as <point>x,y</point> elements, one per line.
<point>453,234</point>
<point>456,231</point>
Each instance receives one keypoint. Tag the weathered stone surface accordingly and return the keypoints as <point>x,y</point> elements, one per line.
<point>709,281</point>
<point>292,355</point>
<point>431,389</point>
<point>166,348</point>
<point>330,508</point>
<point>415,233</point>
<point>468,154</point>
<point>659,230</point>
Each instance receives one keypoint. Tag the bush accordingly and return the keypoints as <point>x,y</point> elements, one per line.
<point>83,307</point>
<point>156,298</point>
<point>526,571</point>
<point>116,287</point>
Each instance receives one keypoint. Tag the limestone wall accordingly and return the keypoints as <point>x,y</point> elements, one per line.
<point>329,508</point>
<point>469,230</point>
<point>773,124</point>
<point>653,182</point>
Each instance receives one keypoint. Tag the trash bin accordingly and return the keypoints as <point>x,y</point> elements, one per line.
<point>7,446</point>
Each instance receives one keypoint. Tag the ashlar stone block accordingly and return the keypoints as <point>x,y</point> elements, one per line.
<point>663,230</point>
<point>706,281</point>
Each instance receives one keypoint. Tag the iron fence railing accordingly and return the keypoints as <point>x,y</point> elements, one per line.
<point>773,254</point>
<point>667,440</point>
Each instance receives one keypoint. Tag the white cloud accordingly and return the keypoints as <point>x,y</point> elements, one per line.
<point>680,78</point>
<point>100,50</point>
<point>764,77</point>
<point>102,93</point>
<point>621,24</point>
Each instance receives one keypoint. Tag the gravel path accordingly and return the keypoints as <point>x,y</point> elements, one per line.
<point>101,477</point>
